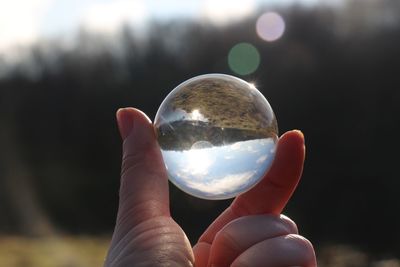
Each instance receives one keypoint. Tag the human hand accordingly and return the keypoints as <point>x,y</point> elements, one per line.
<point>248,233</point>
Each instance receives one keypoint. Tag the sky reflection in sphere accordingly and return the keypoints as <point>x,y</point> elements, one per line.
<point>217,135</point>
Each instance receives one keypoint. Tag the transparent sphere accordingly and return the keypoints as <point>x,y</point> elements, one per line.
<point>217,135</point>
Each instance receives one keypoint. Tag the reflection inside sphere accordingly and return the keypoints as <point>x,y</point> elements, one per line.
<point>217,135</point>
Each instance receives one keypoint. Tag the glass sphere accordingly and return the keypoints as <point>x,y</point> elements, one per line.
<point>217,135</point>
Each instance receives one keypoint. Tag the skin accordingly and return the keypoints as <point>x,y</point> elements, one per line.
<point>250,232</point>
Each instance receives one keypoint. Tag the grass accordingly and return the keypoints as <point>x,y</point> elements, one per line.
<point>88,251</point>
<point>348,256</point>
<point>61,251</point>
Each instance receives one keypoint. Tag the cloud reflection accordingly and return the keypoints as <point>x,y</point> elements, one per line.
<point>223,185</point>
<point>220,172</point>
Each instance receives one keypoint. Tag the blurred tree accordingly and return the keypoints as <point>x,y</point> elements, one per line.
<point>20,209</point>
<point>58,134</point>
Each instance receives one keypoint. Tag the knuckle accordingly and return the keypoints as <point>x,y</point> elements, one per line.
<point>134,153</point>
<point>304,246</point>
<point>289,223</point>
<point>139,158</point>
<point>226,240</point>
<point>146,164</point>
<point>301,241</point>
<point>130,161</point>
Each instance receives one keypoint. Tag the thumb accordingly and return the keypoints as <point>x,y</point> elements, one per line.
<point>144,183</point>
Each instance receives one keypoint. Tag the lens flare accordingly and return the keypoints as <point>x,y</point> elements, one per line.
<point>243,58</point>
<point>270,26</point>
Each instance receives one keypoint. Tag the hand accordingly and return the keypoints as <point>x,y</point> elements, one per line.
<point>248,233</point>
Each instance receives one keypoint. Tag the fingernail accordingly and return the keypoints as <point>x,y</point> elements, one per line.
<point>125,122</point>
<point>300,133</point>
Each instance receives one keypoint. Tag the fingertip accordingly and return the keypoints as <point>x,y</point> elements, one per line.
<point>290,154</point>
<point>124,121</point>
<point>293,136</point>
<point>292,141</point>
<point>127,118</point>
<point>140,137</point>
<point>139,115</point>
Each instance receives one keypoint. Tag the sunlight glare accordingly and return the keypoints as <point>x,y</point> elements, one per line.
<point>252,85</point>
<point>197,116</point>
<point>19,22</point>
<point>109,16</point>
<point>225,11</point>
<point>198,162</point>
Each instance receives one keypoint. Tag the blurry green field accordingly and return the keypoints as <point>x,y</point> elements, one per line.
<point>53,252</point>
<point>85,251</point>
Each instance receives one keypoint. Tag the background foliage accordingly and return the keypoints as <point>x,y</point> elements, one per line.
<point>336,81</point>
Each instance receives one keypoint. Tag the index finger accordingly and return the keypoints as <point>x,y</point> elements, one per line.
<point>273,192</point>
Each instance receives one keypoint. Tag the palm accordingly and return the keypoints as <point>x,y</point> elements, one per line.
<point>156,242</point>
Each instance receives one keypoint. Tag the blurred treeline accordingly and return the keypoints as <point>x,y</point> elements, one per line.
<point>334,75</point>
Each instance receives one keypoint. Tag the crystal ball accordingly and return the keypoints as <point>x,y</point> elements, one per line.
<point>217,135</point>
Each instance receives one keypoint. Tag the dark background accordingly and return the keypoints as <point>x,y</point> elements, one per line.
<point>335,74</point>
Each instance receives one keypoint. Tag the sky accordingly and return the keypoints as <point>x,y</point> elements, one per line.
<point>219,172</point>
<point>25,21</point>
